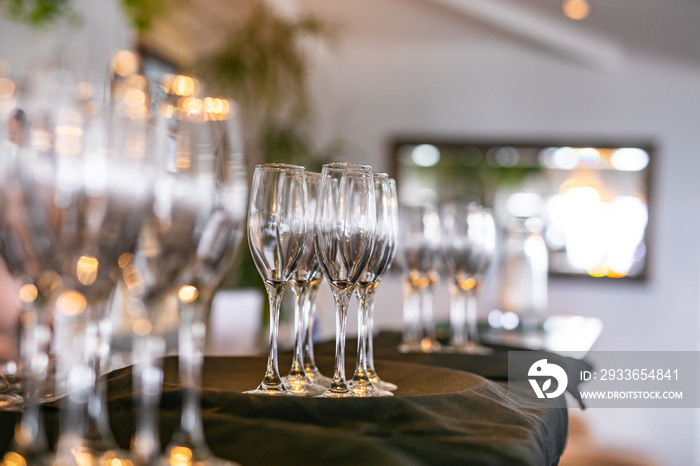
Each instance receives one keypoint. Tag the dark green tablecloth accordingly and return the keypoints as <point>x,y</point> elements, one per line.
<point>438,416</point>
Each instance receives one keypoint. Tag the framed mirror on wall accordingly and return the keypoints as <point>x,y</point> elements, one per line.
<point>591,197</point>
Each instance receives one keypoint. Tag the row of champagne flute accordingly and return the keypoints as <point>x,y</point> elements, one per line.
<point>455,241</point>
<point>106,187</point>
<point>341,224</point>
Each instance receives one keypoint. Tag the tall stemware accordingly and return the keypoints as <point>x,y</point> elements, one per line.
<point>307,273</point>
<point>29,223</point>
<point>216,250</point>
<point>385,234</point>
<point>344,239</point>
<point>101,196</point>
<point>463,258</point>
<point>183,189</point>
<point>394,212</point>
<point>483,236</point>
<point>419,242</point>
<point>277,230</point>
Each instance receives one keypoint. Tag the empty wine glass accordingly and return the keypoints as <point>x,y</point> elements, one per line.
<point>344,238</point>
<point>102,193</point>
<point>419,242</point>
<point>376,381</point>
<point>277,227</point>
<point>386,230</point>
<point>216,251</point>
<point>183,187</point>
<point>465,253</point>
<point>307,272</point>
<point>29,231</point>
<point>483,234</point>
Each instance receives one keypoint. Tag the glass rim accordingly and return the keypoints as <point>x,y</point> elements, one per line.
<point>347,166</point>
<point>381,175</point>
<point>280,166</point>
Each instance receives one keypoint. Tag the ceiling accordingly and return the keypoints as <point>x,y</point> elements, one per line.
<point>616,28</point>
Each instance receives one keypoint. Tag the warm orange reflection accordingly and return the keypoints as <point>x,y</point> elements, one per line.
<point>187,293</point>
<point>14,459</point>
<point>183,86</point>
<point>86,270</point>
<point>28,293</point>
<point>576,9</point>
<point>141,327</point>
<point>180,456</point>
<point>125,63</point>
<point>71,303</point>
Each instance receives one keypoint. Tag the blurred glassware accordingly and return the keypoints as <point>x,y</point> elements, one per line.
<point>101,195</point>
<point>418,252</point>
<point>385,236</point>
<point>277,228</point>
<point>183,187</point>
<point>216,250</point>
<point>306,273</point>
<point>29,226</point>
<point>468,242</point>
<point>344,238</point>
<point>524,271</point>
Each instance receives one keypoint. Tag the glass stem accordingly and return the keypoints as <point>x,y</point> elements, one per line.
<point>427,300</point>
<point>97,431</point>
<point>371,371</point>
<point>191,340</point>
<point>29,440</point>
<point>457,316</point>
<point>361,375</point>
<point>272,375</point>
<point>342,300</point>
<point>471,316</point>
<point>149,349</point>
<point>309,314</point>
<point>301,293</point>
<point>411,317</point>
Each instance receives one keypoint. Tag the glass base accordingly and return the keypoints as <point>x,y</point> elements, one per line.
<point>318,378</point>
<point>337,394</point>
<point>471,348</point>
<point>83,455</point>
<point>382,385</point>
<point>430,345</point>
<point>302,386</point>
<point>269,390</point>
<point>367,390</point>
<point>12,458</point>
<point>411,347</point>
<point>181,455</point>
<point>10,401</point>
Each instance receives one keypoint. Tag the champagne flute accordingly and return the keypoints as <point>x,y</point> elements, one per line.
<point>463,258</point>
<point>277,229</point>
<point>419,241</point>
<point>30,231</point>
<point>394,213</point>
<point>383,253</point>
<point>216,251</point>
<point>307,272</point>
<point>483,236</point>
<point>183,189</point>
<point>344,238</point>
<point>101,196</point>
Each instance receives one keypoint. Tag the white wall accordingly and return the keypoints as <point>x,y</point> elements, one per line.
<point>368,91</point>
